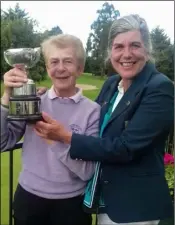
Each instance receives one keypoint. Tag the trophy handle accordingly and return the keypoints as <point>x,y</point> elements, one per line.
<point>6,58</point>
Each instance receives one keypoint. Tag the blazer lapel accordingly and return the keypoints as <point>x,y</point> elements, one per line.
<point>105,104</point>
<point>133,90</point>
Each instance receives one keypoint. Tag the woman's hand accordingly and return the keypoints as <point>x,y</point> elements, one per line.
<point>14,78</point>
<point>41,90</point>
<point>52,130</point>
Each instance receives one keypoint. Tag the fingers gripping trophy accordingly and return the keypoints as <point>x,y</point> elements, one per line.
<point>24,104</point>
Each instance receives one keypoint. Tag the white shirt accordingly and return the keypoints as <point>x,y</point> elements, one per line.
<point>119,96</point>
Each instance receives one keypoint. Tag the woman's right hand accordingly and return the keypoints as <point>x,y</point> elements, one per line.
<point>15,77</point>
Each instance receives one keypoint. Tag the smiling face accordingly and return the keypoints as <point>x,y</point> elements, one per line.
<point>128,54</point>
<point>63,68</point>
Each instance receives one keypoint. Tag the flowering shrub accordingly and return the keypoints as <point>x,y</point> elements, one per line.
<point>169,171</point>
<point>168,159</point>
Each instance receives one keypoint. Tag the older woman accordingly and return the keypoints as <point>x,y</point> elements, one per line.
<point>51,184</point>
<point>129,185</point>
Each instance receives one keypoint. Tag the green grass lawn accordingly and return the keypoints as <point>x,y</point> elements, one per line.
<point>84,79</point>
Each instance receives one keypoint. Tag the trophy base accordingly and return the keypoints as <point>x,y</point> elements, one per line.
<point>25,118</point>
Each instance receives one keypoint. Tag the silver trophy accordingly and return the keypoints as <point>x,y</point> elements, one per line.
<point>24,103</point>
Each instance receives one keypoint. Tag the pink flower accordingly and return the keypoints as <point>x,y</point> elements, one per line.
<point>168,159</point>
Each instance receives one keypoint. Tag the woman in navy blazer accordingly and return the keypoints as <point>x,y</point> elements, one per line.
<point>137,114</point>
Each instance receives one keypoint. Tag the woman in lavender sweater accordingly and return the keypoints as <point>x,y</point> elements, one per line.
<point>51,184</point>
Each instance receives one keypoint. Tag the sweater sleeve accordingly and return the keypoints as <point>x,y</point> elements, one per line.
<point>11,131</point>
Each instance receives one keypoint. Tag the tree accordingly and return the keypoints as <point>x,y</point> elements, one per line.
<point>163,52</point>
<point>13,14</point>
<point>18,30</point>
<point>98,38</point>
<point>54,31</point>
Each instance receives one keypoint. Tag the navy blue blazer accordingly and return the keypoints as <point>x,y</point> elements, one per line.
<point>132,148</point>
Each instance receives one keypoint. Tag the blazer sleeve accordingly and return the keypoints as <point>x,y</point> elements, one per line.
<point>154,116</point>
<point>83,169</point>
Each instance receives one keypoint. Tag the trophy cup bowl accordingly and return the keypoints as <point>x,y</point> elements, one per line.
<point>24,104</point>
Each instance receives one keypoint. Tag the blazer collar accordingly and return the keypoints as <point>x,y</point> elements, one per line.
<point>138,83</point>
<point>111,92</point>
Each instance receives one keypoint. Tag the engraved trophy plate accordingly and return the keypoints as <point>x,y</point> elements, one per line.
<point>24,103</point>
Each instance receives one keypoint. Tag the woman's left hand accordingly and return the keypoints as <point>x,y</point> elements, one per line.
<point>41,90</point>
<point>52,130</point>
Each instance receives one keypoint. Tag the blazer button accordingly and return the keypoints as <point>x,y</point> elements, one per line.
<point>106,182</point>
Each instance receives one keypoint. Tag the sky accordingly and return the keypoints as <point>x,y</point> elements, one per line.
<point>76,17</point>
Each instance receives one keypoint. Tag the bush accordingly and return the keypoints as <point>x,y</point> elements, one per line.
<point>169,172</point>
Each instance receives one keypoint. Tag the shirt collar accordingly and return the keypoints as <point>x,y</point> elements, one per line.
<point>120,87</point>
<point>76,98</point>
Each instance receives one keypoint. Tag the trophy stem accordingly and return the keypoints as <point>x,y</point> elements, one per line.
<point>27,72</point>
<point>28,89</point>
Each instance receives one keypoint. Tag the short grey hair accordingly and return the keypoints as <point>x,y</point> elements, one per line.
<point>130,23</point>
<point>64,41</point>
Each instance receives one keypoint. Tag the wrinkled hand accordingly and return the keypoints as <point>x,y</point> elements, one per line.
<point>15,77</point>
<point>52,130</point>
<point>41,90</point>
